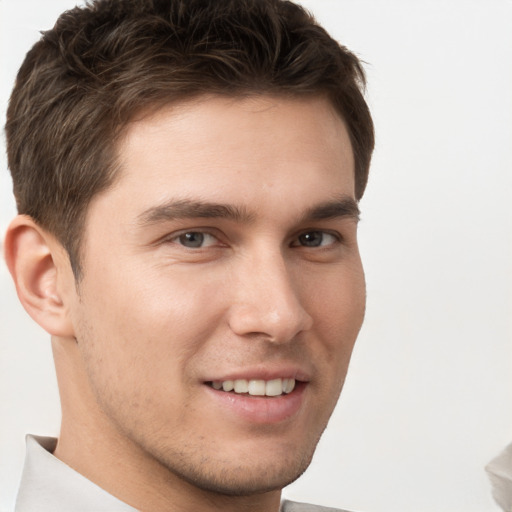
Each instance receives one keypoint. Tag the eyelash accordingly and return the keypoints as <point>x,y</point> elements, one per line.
<point>297,242</point>
<point>203,235</point>
<point>335,236</point>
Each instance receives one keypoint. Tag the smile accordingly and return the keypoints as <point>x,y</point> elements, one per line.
<point>255,387</point>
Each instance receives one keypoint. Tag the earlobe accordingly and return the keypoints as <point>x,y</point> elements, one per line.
<point>32,259</point>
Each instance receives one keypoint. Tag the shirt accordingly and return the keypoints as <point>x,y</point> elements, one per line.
<point>50,485</point>
<point>500,474</point>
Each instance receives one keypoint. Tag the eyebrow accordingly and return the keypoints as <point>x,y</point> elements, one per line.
<point>187,208</point>
<point>343,206</point>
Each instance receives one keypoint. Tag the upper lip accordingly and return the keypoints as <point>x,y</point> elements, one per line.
<point>263,372</point>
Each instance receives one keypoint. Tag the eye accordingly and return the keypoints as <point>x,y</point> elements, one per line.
<point>316,239</point>
<point>195,239</point>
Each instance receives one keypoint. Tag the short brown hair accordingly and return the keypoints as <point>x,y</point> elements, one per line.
<point>86,78</point>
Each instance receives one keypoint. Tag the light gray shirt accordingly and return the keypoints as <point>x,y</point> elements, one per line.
<point>49,485</point>
<point>500,474</point>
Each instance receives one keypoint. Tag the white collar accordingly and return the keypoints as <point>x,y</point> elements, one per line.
<point>49,485</point>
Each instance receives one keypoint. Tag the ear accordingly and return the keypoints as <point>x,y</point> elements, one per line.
<point>37,263</point>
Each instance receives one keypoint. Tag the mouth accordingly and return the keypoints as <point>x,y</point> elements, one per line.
<point>259,401</point>
<point>255,387</point>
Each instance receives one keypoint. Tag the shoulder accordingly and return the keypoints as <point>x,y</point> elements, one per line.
<point>293,506</point>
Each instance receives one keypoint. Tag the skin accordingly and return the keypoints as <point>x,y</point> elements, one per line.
<point>153,320</point>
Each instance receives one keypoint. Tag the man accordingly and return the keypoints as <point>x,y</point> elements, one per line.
<point>187,175</point>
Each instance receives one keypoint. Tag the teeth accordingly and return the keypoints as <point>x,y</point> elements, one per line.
<point>228,385</point>
<point>256,387</point>
<point>290,385</point>
<point>241,386</point>
<point>274,387</point>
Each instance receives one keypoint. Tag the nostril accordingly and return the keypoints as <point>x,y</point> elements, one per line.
<point>267,302</point>
<point>276,325</point>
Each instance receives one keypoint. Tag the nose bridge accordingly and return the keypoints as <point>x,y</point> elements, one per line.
<point>268,301</point>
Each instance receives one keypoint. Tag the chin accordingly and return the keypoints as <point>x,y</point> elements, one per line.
<point>244,481</point>
<point>247,476</point>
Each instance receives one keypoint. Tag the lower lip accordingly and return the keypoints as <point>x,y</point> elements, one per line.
<point>258,409</point>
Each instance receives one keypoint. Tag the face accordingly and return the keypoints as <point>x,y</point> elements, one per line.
<point>224,257</point>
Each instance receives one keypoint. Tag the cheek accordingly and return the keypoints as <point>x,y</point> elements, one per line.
<point>148,325</point>
<point>338,301</point>
<point>338,308</point>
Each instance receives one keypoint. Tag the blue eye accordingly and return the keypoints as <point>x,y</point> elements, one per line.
<point>195,239</point>
<point>316,239</point>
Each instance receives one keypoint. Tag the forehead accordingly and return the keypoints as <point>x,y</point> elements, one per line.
<point>242,150</point>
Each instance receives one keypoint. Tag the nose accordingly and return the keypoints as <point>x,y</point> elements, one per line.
<point>266,301</point>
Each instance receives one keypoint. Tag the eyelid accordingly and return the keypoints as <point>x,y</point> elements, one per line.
<point>175,235</point>
<point>335,234</point>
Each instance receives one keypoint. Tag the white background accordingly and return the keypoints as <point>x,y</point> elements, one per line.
<point>428,400</point>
